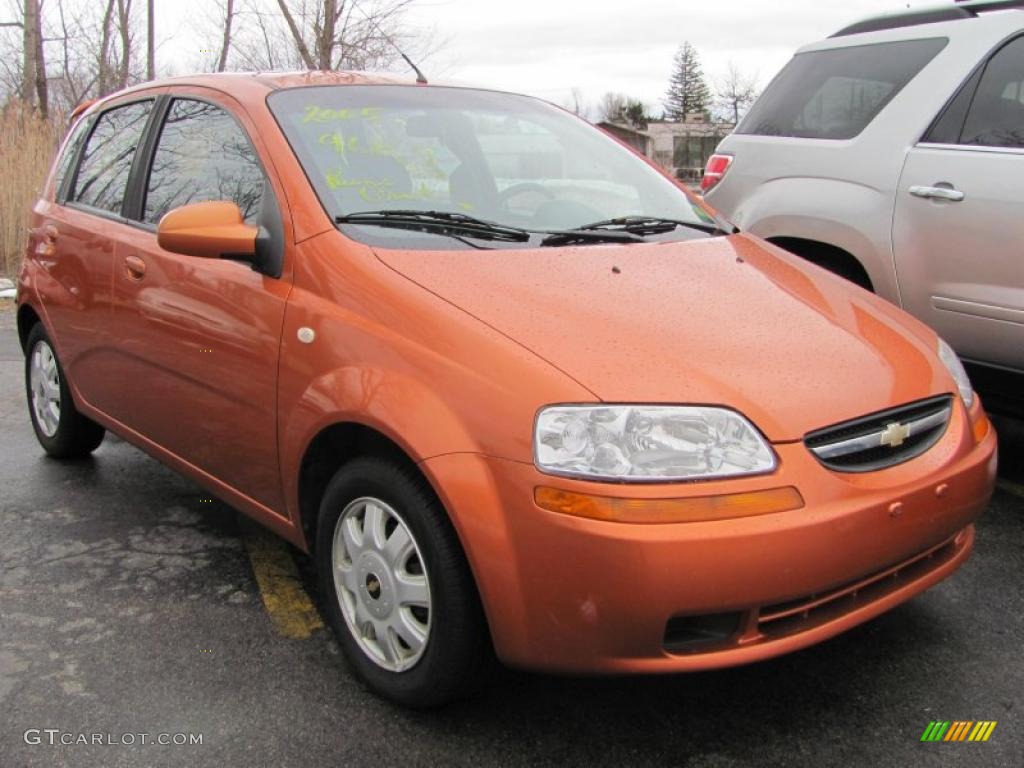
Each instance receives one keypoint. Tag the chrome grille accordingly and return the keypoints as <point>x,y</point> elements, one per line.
<point>882,439</point>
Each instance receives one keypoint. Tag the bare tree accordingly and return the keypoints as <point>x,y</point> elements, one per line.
<point>613,107</point>
<point>321,34</point>
<point>297,35</point>
<point>619,108</point>
<point>116,47</point>
<point>150,41</point>
<point>576,103</point>
<point>104,80</point>
<point>33,69</point>
<point>735,92</point>
<point>124,10</point>
<point>225,44</point>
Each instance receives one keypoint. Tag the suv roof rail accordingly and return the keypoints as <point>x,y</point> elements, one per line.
<point>968,9</point>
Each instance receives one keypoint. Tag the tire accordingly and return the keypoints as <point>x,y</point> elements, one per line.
<point>375,598</point>
<point>63,432</point>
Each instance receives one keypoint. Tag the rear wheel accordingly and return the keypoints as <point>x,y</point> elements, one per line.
<point>399,593</point>
<point>63,432</point>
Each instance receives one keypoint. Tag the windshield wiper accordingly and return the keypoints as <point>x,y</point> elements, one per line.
<point>652,225</point>
<point>441,222</point>
<point>584,235</point>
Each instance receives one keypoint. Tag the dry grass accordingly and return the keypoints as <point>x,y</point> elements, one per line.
<point>27,146</point>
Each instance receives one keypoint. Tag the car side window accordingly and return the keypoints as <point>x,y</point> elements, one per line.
<point>107,160</point>
<point>71,147</point>
<point>996,116</point>
<point>202,155</point>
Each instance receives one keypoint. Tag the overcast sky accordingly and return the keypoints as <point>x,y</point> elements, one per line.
<point>547,47</point>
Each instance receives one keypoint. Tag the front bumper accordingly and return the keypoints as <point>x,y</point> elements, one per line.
<point>578,595</point>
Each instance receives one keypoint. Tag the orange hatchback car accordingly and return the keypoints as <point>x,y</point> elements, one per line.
<point>517,391</point>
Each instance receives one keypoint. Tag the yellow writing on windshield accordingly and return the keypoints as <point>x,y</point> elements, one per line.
<point>346,145</point>
<point>317,114</point>
<point>377,190</point>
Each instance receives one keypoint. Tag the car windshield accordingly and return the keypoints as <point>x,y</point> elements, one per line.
<point>499,158</point>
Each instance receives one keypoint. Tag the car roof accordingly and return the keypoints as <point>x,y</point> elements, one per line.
<point>256,85</point>
<point>987,29</point>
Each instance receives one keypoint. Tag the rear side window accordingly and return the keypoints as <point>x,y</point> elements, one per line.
<point>835,94</point>
<point>996,116</point>
<point>202,155</point>
<point>107,159</point>
<point>71,147</point>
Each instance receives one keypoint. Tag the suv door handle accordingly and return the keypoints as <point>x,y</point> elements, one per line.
<point>938,193</point>
<point>135,267</point>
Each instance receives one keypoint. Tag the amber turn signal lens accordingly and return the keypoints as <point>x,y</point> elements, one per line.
<point>980,426</point>
<point>687,510</point>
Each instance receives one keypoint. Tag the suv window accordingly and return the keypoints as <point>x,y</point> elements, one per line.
<point>202,155</point>
<point>107,160</point>
<point>996,115</point>
<point>835,94</point>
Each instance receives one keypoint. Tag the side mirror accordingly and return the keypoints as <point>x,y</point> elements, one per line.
<point>212,230</point>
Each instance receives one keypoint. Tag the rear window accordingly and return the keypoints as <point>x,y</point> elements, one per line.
<point>835,94</point>
<point>107,158</point>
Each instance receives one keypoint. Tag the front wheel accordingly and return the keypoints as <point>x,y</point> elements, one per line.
<point>63,432</point>
<point>399,594</point>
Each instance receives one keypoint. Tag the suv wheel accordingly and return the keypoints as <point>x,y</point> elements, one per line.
<point>63,432</point>
<point>399,594</point>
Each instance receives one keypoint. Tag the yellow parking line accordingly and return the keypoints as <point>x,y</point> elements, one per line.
<point>1014,488</point>
<point>289,607</point>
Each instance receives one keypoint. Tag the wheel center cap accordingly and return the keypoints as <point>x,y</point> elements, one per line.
<point>376,585</point>
<point>373,586</point>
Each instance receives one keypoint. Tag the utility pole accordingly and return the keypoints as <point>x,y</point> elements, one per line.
<point>150,43</point>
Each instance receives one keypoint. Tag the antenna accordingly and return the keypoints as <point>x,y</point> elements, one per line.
<point>420,78</point>
<point>419,75</point>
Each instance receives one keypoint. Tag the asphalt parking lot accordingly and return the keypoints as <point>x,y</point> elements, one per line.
<point>131,603</point>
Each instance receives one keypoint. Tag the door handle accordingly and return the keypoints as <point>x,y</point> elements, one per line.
<point>47,240</point>
<point>938,193</point>
<point>135,267</point>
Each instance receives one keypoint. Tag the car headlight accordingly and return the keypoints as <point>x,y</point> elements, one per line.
<point>956,369</point>
<point>637,443</point>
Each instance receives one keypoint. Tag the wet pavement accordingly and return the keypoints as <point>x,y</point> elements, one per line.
<point>129,606</point>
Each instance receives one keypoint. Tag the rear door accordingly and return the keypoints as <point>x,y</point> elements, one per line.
<point>199,338</point>
<point>73,241</point>
<point>958,228</point>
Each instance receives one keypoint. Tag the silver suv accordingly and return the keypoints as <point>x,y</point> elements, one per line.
<point>892,153</point>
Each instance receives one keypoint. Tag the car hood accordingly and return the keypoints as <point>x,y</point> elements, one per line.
<point>730,321</point>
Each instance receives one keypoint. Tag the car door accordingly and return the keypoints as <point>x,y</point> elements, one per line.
<point>958,228</point>
<point>73,245</point>
<point>199,338</point>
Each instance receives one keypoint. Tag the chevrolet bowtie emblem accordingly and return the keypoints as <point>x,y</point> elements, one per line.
<point>894,434</point>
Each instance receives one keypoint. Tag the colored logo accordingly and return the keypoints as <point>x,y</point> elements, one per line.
<point>958,730</point>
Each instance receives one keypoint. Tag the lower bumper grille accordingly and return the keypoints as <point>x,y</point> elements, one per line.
<point>715,632</point>
<point>810,611</point>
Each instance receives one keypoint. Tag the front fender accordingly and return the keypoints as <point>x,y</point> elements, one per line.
<point>363,344</point>
<point>390,402</point>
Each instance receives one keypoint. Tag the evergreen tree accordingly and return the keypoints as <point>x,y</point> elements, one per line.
<point>687,90</point>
